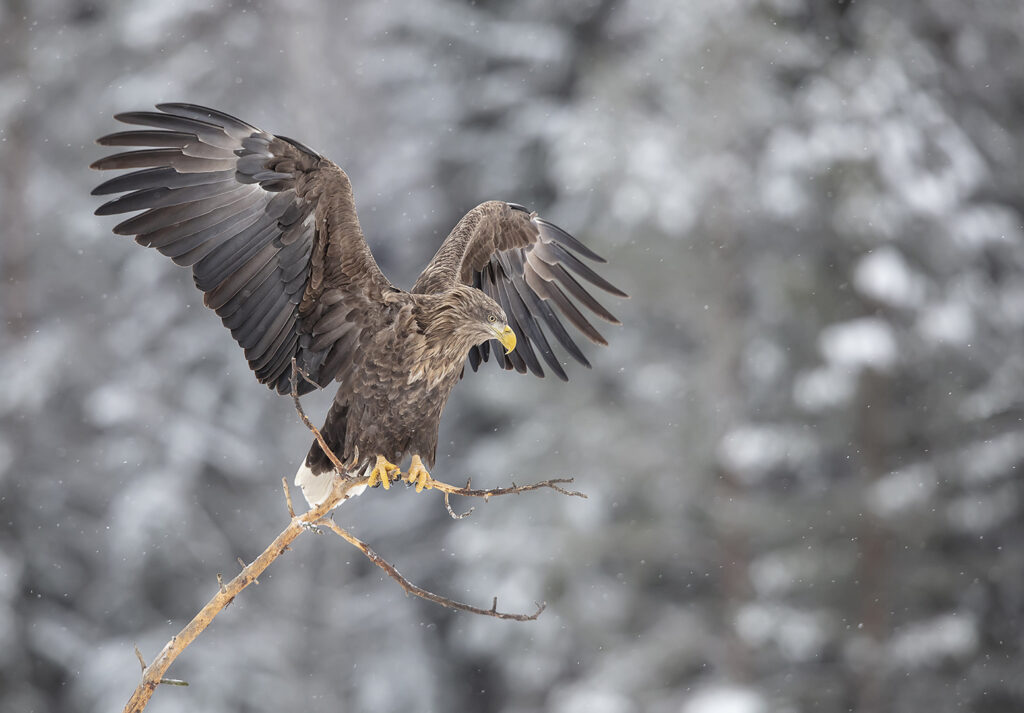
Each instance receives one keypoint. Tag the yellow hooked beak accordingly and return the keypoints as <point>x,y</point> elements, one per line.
<point>506,336</point>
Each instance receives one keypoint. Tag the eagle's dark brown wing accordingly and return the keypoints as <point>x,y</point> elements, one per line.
<point>526,264</point>
<point>268,226</point>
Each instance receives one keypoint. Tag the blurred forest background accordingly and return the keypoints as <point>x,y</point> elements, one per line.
<point>801,447</point>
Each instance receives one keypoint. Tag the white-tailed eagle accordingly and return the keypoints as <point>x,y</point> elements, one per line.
<point>270,231</point>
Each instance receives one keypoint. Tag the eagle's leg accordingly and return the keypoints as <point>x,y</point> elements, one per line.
<point>418,474</point>
<point>382,473</point>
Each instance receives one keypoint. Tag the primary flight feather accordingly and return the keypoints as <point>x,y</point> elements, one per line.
<point>270,231</point>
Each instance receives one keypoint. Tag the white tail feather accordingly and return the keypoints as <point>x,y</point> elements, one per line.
<point>316,488</point>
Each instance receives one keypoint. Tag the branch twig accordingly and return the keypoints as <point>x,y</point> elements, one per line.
<point>339,466</point>
<point>455,515</point>
<point>554,484</point>
<point>288,497</point>
<point>418,591</point>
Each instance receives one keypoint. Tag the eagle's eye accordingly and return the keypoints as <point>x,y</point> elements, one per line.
<point>491,318</point>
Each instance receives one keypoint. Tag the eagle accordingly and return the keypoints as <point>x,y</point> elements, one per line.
<point>269,228</point>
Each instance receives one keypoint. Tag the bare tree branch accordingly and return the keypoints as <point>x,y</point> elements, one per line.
<point>512,490</point>
<point>411,588</point>
<point>153,675</point>
<point>312,520</point>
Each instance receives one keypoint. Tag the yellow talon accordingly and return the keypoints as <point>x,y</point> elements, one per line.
<point>418,474</point>
<point>382,471</point>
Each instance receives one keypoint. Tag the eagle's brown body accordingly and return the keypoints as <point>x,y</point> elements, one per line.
<point>394,408</point>
<point>270,230</point>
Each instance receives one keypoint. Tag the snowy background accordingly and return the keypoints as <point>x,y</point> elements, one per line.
<point>801,449</point>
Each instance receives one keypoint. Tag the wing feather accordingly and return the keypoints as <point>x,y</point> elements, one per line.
<point>173,157</point>
<point>278,358</point>
<point>263,220</point>
<point>518,357</point>
<point>234,252</point>
<point>164,197</point>
<point>254,271</point>
<point>270,335</point>
<point>553,232</point>
<point>542,307</point>
<point>535,307</point>
<point>159,177</point>
<point>209,133</point>
<point>187,143</point>
<point>257,323</point>
<point>259,303</point>
<point>576,290</point>
<point>216,206</point>
<point>233,126</point>
<point>162,237</point>
<point>555,255</point>
<point>521,321</point>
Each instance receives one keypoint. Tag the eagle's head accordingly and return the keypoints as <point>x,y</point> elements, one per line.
<point>466,317</point>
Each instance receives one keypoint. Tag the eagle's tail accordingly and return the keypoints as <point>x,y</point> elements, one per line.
<point>316,487</point>
<point>314,476</point>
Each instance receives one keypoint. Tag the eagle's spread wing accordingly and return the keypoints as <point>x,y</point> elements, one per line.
<point>524,263</point>
<point>268,226</point>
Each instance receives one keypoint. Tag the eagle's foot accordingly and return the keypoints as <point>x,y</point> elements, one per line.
<point>418,475</point>
<point>383,471</point>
